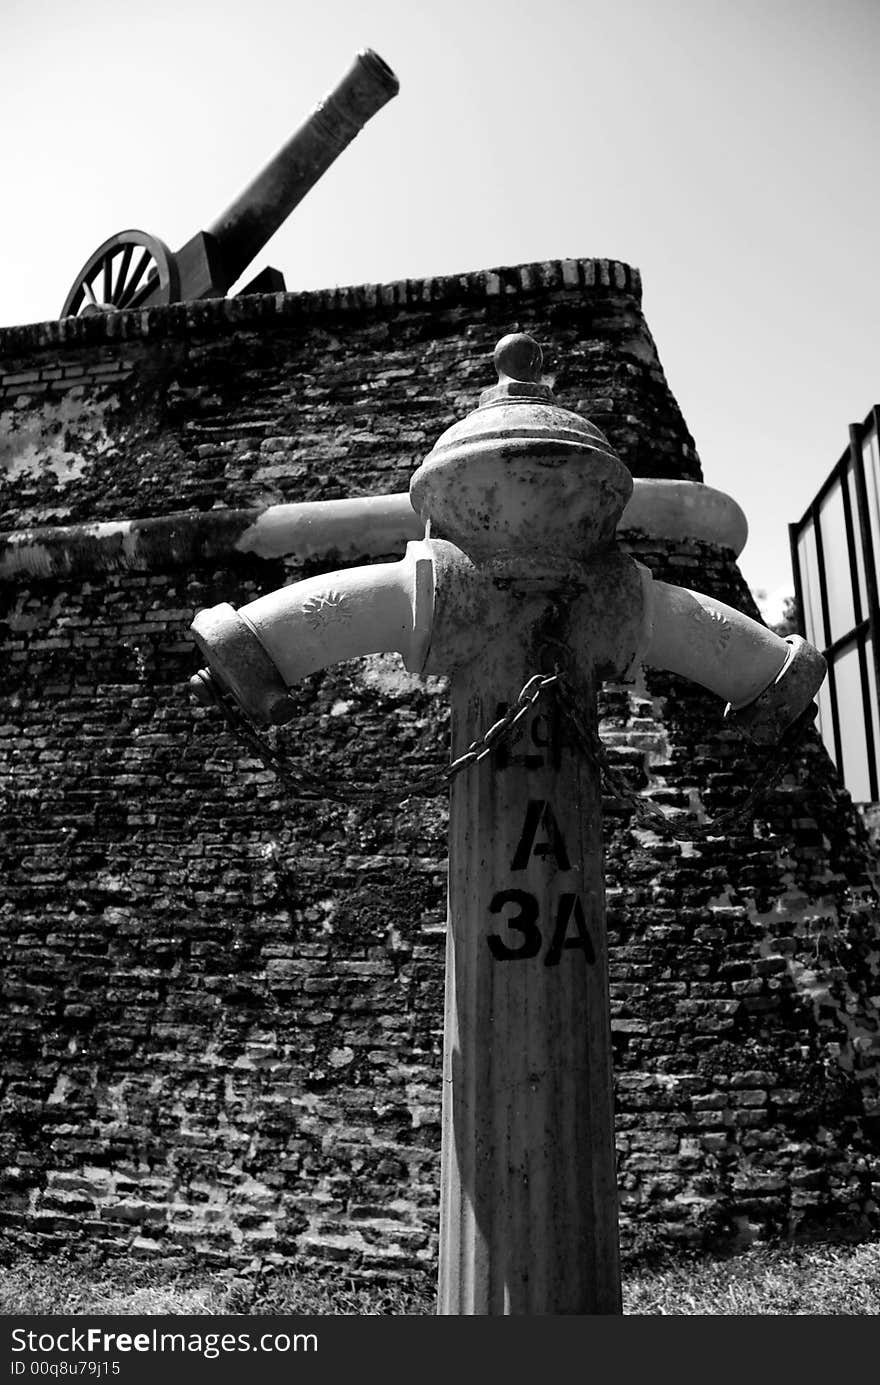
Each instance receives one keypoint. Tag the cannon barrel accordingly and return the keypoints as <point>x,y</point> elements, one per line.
<point>242,230</point>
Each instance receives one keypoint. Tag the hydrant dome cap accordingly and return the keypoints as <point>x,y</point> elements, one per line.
<point>521,472</point>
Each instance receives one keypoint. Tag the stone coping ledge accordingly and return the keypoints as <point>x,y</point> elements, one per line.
<point>215,315</point>
<point>361,527</point>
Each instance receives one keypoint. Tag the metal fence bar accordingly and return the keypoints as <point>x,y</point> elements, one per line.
<point>794,533</point>
<point>826,637</point>
<point>856,437</point>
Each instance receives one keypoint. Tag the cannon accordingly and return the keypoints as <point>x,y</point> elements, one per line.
<point>136,270</point>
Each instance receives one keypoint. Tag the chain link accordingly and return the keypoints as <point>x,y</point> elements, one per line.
<point>309,787</point>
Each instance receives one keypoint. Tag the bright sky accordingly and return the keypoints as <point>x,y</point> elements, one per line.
<point>728,148</point>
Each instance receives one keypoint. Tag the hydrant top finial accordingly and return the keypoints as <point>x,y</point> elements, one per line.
<point>518,360</point>
<point>518,356</point>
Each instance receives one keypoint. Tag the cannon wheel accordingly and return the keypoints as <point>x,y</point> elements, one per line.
<point>127,271</point>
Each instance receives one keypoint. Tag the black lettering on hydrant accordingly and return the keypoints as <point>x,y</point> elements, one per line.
<point>569,911</point>
<point>525,921</point>
<point>540,817</point>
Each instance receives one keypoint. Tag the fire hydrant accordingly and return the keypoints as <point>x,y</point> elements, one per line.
<point>519,575</point>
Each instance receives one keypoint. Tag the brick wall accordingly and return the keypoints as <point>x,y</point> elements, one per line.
<point>223,1011</point>
<point>308,396</point>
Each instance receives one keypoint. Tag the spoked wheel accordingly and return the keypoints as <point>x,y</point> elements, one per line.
<point>130,270</point>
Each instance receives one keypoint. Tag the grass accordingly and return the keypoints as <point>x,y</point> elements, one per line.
<point>815,1280</point>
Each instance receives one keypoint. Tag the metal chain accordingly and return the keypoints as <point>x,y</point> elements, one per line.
<point>648,814</point>
<point>307,786</point>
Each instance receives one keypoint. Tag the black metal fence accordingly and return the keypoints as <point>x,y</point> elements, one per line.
<point>834,547</point>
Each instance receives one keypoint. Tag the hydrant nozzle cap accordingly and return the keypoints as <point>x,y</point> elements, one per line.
<point>518,360</point>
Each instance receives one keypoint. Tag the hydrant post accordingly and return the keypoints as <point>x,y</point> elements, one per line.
<point>528,1216</point>
<point>529,494</point>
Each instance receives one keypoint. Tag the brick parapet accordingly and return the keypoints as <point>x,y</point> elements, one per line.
<point>215,316</point>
